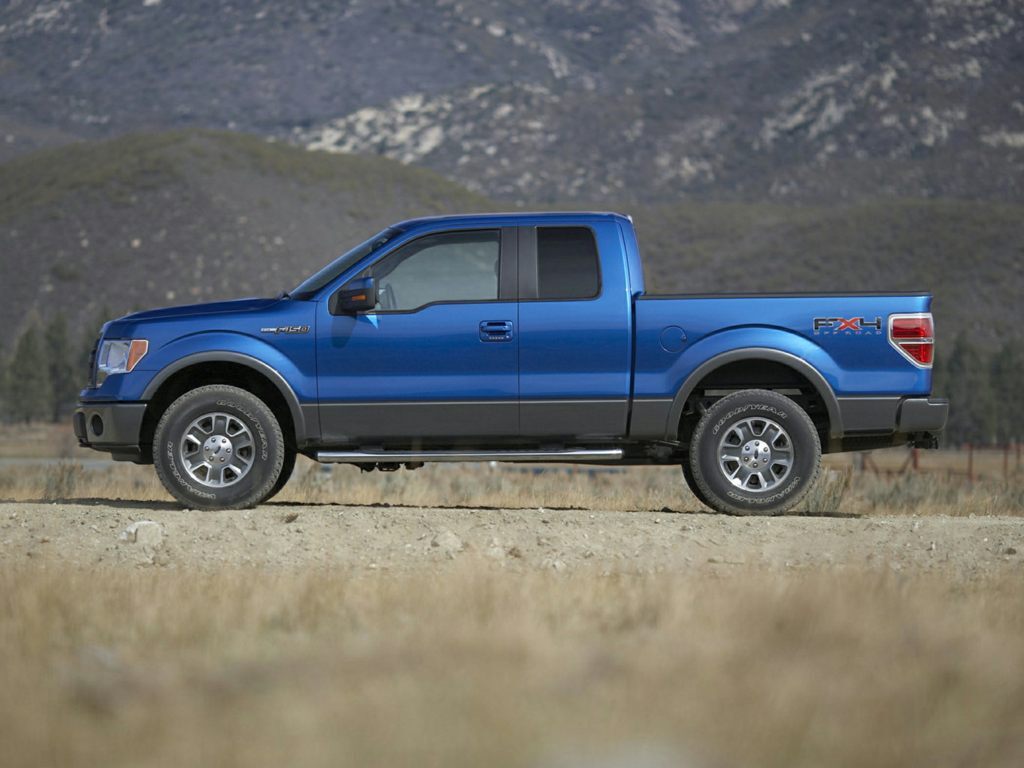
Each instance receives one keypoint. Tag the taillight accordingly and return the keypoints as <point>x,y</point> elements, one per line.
<point>914,337</point>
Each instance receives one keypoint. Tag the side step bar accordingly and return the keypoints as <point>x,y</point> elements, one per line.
<point>399,457</point>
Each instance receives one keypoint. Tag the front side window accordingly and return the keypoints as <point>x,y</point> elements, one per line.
<point>450,266</point>
<point>567,265</point>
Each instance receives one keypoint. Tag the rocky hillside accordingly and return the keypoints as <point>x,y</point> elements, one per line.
<point>653,100</point>
<point>175,218</point>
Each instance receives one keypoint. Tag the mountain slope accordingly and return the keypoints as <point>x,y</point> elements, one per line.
<point>181,217</point>
<point>805,100</point>
<point>970,255</point>
<point>192,216</point>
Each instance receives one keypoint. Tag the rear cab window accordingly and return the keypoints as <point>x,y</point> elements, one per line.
<point>567,263</point>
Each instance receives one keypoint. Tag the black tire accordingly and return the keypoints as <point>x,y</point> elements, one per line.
<point>692,484</point>
<point>287,468</point>
<point>723,428</point>
<point>262,450</point>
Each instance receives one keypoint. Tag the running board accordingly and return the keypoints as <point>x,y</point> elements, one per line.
<point>399,457</point>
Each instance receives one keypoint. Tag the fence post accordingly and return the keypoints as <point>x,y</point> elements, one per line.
<point>970,463</point>
<point>1006,462</point>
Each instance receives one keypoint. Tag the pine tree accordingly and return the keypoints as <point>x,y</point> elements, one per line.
<point>3,384</point>
<point>85,346</point>
<point>27,389</point>
<point>940,385</point>
<point>1007,375</point>
<point>90,333</point>
<point>64,370</point>
<point>971,411</point>
<point>940,371</point>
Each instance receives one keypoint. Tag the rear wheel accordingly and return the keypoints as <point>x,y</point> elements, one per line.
<point>754,452</point>
<point>219,447</point>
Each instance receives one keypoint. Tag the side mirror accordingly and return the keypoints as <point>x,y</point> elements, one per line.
<point>355,296</point>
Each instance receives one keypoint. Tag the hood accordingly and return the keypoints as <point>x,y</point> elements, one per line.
<point>209,308</point>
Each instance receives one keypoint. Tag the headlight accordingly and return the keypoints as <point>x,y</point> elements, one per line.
<point>119,356</point>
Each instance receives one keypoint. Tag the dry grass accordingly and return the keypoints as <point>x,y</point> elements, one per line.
<point>943,490</point>
<point>38,441</point>
<point>636,488</point>
<point>471,665</point>
<point>464,662</point>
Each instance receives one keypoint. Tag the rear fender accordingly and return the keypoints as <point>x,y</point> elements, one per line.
<point>754,343</point>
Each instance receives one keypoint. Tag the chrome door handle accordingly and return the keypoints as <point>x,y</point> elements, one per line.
<point>496,330</point>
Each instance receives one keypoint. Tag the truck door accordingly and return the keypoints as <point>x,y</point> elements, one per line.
<point>437,358</point>
<point>575,341</point>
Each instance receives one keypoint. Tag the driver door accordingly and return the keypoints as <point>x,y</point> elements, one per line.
<point>437,358</point>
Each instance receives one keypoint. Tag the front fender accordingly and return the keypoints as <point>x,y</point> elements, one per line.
<point>753,343</point>
<point>295,386</point>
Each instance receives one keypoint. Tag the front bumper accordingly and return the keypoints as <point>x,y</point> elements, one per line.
<point>111,427</point>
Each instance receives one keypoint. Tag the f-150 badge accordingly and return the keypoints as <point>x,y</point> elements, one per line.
<point>286,329</point>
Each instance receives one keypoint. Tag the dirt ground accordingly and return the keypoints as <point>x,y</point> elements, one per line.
<point>401,538</point>
<point>136,633</point>
<point>491,615</point>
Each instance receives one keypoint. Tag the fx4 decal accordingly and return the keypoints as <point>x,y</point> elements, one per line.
<point>834,325</point>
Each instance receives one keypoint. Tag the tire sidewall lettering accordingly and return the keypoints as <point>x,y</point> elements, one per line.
<point>172,462</point>
<point>254,423</point>
<point>770,499</point>
<point>730,416</point>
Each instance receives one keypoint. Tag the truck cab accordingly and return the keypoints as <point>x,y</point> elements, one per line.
<point>509,337</point>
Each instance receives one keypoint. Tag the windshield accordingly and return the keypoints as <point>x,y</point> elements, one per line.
<point>311,285</point>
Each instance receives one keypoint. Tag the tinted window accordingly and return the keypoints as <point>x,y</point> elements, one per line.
<point>452,266</point>
<point>333,270</point>
<point>566,263</point>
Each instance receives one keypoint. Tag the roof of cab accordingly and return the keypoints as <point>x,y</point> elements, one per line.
<point>511,219</point>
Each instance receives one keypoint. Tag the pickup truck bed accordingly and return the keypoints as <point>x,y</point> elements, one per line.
<point>854,374</point>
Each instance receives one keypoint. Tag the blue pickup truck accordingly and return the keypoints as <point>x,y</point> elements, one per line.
<point>510,337</point>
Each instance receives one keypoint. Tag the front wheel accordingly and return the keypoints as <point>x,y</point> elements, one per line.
<point>286,472</point>
<point>754,452</point>
<point>219,447</point>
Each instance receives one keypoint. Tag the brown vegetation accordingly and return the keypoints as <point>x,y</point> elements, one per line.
<point>839,490</point>
<point>366,638</point>
<point>471,665</point>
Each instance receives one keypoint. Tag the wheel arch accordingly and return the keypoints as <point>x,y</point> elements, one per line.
<point>796,364</point>
<point>225,367</point>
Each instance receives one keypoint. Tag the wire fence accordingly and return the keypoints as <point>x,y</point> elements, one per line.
<point>968,462</point>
